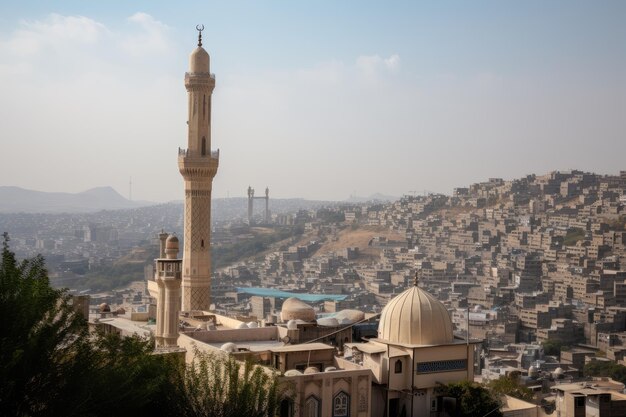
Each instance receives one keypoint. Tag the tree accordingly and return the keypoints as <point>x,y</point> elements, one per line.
<point>510,385</point>
<point>606,368</point>
<point>216,386</point>
<point>472,400</point>
<point>52,366</point>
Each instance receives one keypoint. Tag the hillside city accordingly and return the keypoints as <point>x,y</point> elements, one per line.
<point>517,262</point>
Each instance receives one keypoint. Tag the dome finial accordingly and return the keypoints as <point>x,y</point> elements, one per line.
<point>199,28</point>
<point>416,280</point>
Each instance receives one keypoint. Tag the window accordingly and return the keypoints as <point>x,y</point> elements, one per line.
<point>398,367</point>
<point>203,146</point>
<point>312,407</point>
<point>433,404</point>
<point>579,401</point>
<point>286,408</point>
<point>341,405</point>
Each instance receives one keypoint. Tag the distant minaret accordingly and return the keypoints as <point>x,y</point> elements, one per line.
<point>267,205</point>
<point>198,165</point>
<point>250,204</point>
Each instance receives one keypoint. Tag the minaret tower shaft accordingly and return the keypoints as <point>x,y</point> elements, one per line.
<point>198,165</point>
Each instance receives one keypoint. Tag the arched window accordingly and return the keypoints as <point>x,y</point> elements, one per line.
<point>312,407</point>
<point>341,405</point>
<point>398,367</point>
<point>203,146</point>
<point>286,408</point>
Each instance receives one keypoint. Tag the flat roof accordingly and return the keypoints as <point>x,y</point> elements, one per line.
<point>270,292</point>
<point>367,347</point>
<point>251,345</point>
<point>304,347</point>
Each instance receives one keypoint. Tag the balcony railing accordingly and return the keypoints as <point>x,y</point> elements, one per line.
<point>188,153</point>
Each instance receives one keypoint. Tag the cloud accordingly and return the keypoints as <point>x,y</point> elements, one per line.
<point>372,67</point>
<point>55,31</point>
<point>153,36</point>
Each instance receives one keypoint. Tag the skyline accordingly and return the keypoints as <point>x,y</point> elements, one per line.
<point>388,99</point>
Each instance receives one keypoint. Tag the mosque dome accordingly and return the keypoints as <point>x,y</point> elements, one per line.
<point>292,325</point>
<point>229,347</point>
<point>293,372</point>
<point>171,242</point>
<point>294,309</point>
<point>311,370</point>
<point>328,322</point>
<point>415,317</point>
<point>349,316</point>
<point>104,308</point>
<point>199,60</point>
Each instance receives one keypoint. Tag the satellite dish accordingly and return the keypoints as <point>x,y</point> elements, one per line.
<point>286,340</point>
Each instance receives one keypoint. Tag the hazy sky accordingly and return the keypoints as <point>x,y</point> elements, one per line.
<point>318,99</point>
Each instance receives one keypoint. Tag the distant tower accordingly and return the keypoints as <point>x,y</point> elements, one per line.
<point>198,165</point>
<point>250,204</point>
<point>267,205</point>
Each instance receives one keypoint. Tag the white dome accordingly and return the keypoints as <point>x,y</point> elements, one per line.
<point>252,325</point>
<point>293,372</point>
<point>199,60</point>
<point>292,325</point>
<point>349,316</point>
<point>311,370</point>
<point>242,326</point>
<point>328,322</point>
<point>330,369</point>
<point>559,371</point>
<point>415,317</point>
<point>294,309</point>
<point>229,347</point>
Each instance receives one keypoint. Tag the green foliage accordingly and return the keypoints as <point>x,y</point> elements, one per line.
<point>554,347</point>
<point>214,386</point>
<point>510,385</point>
<point>108,278</point>
<point>330,216</point>
<point>572,236</point>
<point>606,368</point>
<point>228,254</point>
<point>472,399</point>
<point>52,366</point>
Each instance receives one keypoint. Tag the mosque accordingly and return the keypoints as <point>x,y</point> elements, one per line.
<point>394,374</point>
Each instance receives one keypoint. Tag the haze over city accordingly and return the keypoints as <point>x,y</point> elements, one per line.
<point>318,100</point>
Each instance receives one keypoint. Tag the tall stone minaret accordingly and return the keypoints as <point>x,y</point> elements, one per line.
<point>198,165</point>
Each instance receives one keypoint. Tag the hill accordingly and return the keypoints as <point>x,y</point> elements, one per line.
<point>20,200</point>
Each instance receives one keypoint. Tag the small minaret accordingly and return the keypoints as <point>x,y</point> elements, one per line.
<point>267,205</point>
<point>168,276</point>
<point>198,165</point>
<point>250,204</point>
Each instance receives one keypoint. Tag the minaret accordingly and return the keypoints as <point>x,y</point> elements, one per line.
<point>250,204</point>
<point>267,205</point>
<point>198,165</point>
<point>168,278</point>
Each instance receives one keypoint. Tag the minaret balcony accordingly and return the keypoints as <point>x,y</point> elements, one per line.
<point>193,164</point>
<point>191,154</point>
